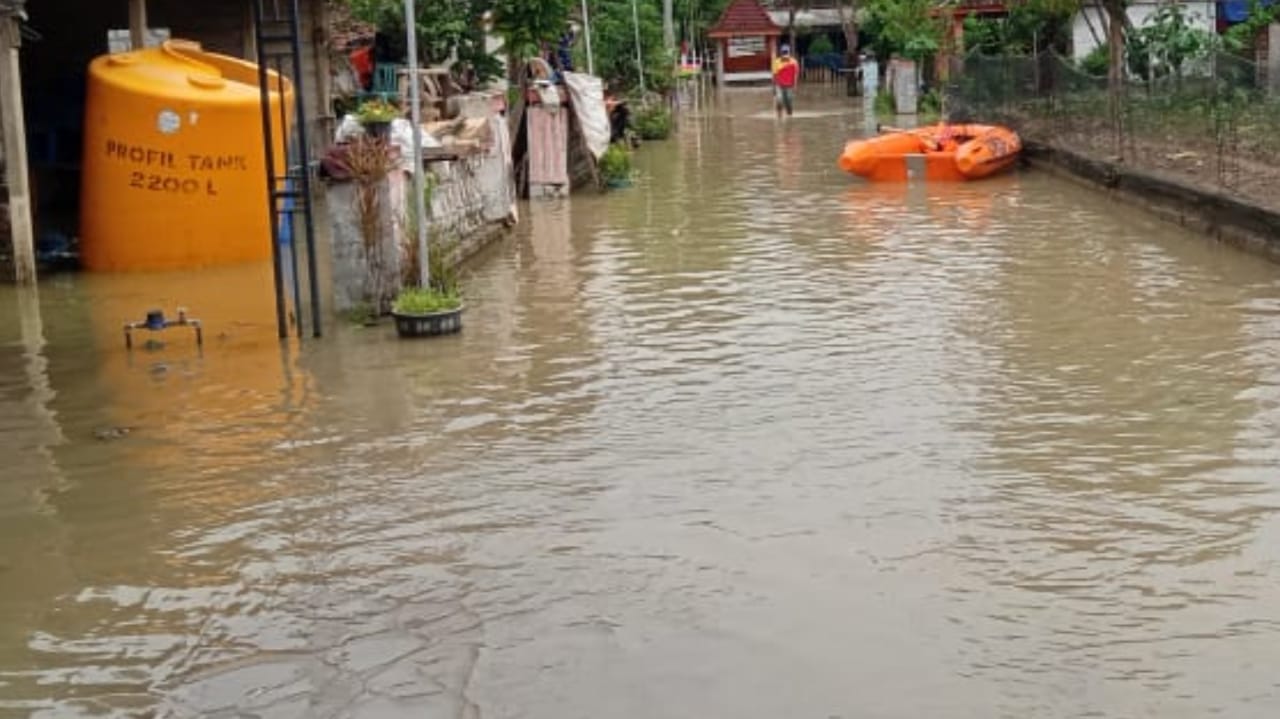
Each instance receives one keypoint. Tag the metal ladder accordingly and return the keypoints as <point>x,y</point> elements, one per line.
<point>277,29</point>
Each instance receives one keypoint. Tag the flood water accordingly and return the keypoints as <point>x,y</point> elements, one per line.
<point>749,439</point>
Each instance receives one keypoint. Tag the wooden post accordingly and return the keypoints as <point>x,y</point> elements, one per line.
<point>15,154</point>
<point>138,24</point>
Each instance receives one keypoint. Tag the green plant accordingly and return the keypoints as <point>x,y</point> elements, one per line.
<point>1170,40</point>
<point>1096,62</point>
<point>884,105</point>
<point>1028,27</point>
<point>377,110</point>
<point>443,264</point>
<point>931,105</point>
<point>908,28</point>
<point>613,36</point>
<point>615,163</point>
<point>443,26</point>
<point>442,255</point>
<point>525,24</point>
<point>426,300</point>
<point>653,122</point>
<point>822,45</point>
<point>362,313</point>
<point>1240,37</point>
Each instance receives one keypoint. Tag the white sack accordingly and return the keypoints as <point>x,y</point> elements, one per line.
<point>587,94</point>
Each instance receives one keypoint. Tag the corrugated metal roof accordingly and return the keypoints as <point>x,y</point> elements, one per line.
<point>744,17</point>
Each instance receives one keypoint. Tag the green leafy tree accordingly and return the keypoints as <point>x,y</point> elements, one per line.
<point>908,28</point>
<point>443,26</point>
<point>1169,40</point>
<point>526,24</point>
<point>613,38</point>
<point>1028,27</point>
<point>1240,37</point>
<point>694,17</point>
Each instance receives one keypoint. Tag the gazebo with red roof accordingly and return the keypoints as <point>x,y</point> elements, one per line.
<point>746,39</point>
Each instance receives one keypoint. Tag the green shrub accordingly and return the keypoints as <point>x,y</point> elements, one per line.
<point>884,104</point>
<point>821,45</point>
<point>653,122</point>
<point>1097,61</point>
<point>931,105</point>
<point>422,301</point>
<point>615,164</point>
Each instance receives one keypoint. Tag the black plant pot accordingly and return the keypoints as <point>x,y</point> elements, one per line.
<point>428,325</point>
<point>380,129</point>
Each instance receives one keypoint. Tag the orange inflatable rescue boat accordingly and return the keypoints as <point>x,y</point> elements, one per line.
<point>937,152</point>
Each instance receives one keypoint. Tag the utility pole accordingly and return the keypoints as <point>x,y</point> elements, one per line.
<point>15,150</point>
<point>415,114</point>
<point>586,28</point>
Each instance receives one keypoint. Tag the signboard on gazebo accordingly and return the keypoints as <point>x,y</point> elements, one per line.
<point>746,46</point>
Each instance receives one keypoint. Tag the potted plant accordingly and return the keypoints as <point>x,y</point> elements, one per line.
<point>376,116</point>
<point>427,311</point>
<point>615,166</point>
<point>437,308</point>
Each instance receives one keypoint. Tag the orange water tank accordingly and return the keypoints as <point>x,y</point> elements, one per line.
<point>174,161</point>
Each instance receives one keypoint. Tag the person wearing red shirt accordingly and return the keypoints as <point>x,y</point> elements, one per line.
<point>785,73</point>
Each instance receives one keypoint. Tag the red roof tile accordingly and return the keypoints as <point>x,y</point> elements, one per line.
<point>744,17</point>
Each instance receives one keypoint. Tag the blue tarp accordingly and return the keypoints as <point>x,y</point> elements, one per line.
<point>1234,11</point>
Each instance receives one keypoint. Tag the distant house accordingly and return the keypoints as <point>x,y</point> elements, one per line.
<point>746,42</point>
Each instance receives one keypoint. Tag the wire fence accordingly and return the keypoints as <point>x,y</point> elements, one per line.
<point>1211,123</point>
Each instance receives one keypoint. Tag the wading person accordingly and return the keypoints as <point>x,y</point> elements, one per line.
<point>785,73</point>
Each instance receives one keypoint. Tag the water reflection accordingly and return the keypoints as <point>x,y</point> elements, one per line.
<point>751,438</point>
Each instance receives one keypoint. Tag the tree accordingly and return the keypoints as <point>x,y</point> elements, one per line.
<point>525,25</point>
<point>1169,40</point>
<point>441,24</point>
<point>848,10</point>
<point>1029,26</point>
<point>613,36</point>
<point>445,28</point>
<point>1241,36</point>
<point>698,16</point>
<point>668,24</point>
<point>908,28</point>
<point>794,7</point>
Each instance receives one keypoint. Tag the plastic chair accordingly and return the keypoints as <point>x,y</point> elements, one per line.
<point>386,83</point>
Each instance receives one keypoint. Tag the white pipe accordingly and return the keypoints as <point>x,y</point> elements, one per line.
<point>415,112</point>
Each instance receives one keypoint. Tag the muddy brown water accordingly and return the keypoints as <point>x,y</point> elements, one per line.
<point>749,439</point>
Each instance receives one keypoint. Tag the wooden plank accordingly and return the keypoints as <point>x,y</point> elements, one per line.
<point>138,24</point>
<point>15,154</point>
<point>548,147</point>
